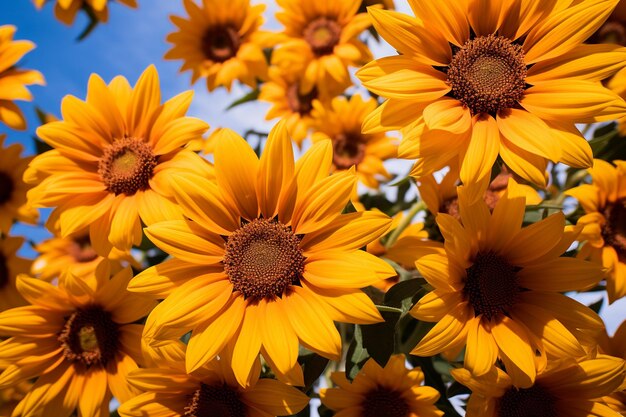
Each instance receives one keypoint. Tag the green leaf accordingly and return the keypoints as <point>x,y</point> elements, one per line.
<point>251,96</point>
<point>403,291</point>
<point>379,339</point>
<point>313,365</point>
<point>357,354</point>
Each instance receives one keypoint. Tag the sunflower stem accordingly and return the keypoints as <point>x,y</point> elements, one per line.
<point>404,223</point>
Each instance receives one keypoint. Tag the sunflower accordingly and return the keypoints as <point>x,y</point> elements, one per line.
<point>604,232</point>
<point>66,10</point>
<point>321,39</point>
<point>392,391</point>
<point>566,388</point>
<point>508,78</point>
<point>221,41</point>
<point>341,122</point>
<point>266,259</point>
<point>11,266</point>
<point>491,292</point>
<point>212,390</point>
<point>75,254</point>
<point>283,91</point>
<point>442,197</point>
<point>13,80</point>
<point>113,154</point>
<point>13,204</point>
<point>75,339</point>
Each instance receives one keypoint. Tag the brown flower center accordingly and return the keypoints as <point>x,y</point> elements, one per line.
<point>348,150</point>
<point>491,285</point>
<point>215,401</point>
<point>386,402</point>
<point>81,250</point>
<point>300,103</point>
<point>6,187</point>
<point>221,43</point>
<point>126,166</point>
<point>488,74</point>
<point>4,271</point>
<point>614,230</point>
<point>527,402</point>
<point>263,259</point>
<point>612,31</point>
<point>323,35</point>
<point>90,336</point>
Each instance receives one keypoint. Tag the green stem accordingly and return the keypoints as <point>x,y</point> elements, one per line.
<point>405,222</point>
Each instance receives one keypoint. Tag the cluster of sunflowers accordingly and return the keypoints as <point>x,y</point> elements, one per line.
<point>243,283</point>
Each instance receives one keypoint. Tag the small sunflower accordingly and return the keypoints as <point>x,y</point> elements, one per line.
<point>13,204</point>
<point>288,103</point>
<point>442,197</point>
<point>113,154</point>
<point>491,292</point>
<point>266,260</point>
<point>566,388</point>
<point>66,10</point>
<point>212,390</point>
<point>77,340</point>
<point>76,255</point>
<point>604,232</point>
<point>392,391</point>
<point>221,42</point>
<point>13,80</point>
<point>321,39</point>
<point>491,79</point>
<point>341,123</point>
<point>11,266</point>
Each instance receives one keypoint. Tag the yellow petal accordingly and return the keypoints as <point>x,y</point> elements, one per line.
<point>529,132</point>
<point>514,345</point>
<point>481,352</point>
<point>481,152</point>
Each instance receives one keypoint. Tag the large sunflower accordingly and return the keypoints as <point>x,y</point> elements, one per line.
<point>266,259</point>
<point>210,391</point>
<point>565,388</point>
<point>392,391</point>
<point>491,291</point>
<point>340,121</point>
<point>321,38</point>
<point>479,79</point>
<point>66,10</point>
<point>11,266</point>
<point>604,232</point>
<point>13,204</point>
<point>113,154</point>
<point>221,41</point>
<point>13,80</point>
<point>77,339</point>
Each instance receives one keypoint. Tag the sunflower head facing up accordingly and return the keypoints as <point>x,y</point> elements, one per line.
<point>13,80</point>
<point>221,41</point>
<point>74,338</point>
<point>66,10</point>
<point>266,260</point>
<point>491,293</point>
<point>340,121</point>
<point>321,39</point>
<point>604,232</point>
<point>112,155</point>
<point>480,79</point>
<point>565,388</point>
<point>392,391</point>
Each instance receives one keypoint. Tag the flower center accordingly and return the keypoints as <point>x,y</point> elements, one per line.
<point>386,402</point>
<point>300,103</point>
<point>348,150</point>
<point>322,34</point>
<point>6,187</point>
<point>4,271</point>
<point>614,230</point>
<point>263,259</point>
<point>81,250</point>
<point>488,74</point>
<point>491,285</point>
<point>527,402</point>
<point>126,166</point>
<point>221,43</point>
<point>90,336</point>
<point>215,401</point>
